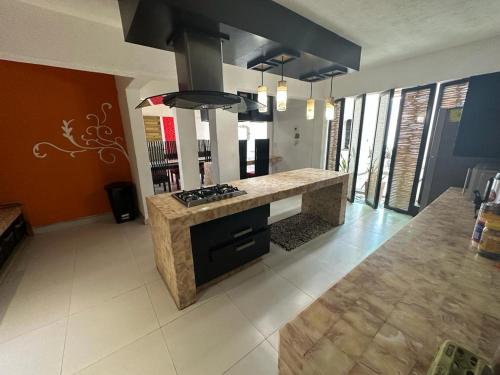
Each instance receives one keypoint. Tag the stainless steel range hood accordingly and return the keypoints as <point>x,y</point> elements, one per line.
<point>198,57</point>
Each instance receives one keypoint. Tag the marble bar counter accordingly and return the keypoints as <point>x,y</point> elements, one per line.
<point>393,311</point>
<point>323,194</point>
<point>8,214</point>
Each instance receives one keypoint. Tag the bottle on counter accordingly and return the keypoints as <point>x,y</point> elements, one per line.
<point>489,245</point>
<point>488,212</point>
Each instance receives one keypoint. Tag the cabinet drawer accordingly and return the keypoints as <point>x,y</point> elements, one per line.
<point>19,228</point>
<point>219,232</point>
<point>220,260</point>
<point>11,237</point>
<point>7,243</point>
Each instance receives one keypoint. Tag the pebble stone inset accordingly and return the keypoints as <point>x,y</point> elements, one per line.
<point>298,229</point>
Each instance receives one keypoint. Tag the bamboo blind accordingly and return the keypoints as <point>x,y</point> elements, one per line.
<point>454,95</point>
<point>378,149</point>
<point>334,137</point>
<point>411,128</point>
<point>152,128</point>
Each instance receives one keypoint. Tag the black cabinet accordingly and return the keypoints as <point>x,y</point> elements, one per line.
<point>224,244</point>
<point>11,237</point>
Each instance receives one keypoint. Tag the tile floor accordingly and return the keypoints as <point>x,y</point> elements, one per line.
<point>88,300</point>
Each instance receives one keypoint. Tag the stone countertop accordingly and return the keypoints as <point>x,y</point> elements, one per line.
<point>8,215</point>
<point>392,312</point>
<point>260,190</point>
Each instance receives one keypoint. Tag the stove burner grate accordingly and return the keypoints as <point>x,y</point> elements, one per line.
<point>207,194</point>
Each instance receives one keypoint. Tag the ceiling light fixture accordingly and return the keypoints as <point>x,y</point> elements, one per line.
<point>330,104</point>
<point>262,94</point>
<point>310,106</point>
<point>281,92</point>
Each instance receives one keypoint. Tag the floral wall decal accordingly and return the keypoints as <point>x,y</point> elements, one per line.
<point>98,138</point>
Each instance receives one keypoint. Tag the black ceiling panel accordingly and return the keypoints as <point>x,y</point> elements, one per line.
<point>255,29</point>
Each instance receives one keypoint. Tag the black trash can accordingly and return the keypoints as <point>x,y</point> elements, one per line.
<point>123,200</point>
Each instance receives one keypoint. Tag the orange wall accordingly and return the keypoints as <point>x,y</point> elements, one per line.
<point>34,101</point>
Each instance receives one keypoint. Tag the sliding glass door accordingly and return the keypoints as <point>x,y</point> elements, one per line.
<point>378,149</point>
<point>411,136</point>
<point>335,137</point>
<point>355,143</point>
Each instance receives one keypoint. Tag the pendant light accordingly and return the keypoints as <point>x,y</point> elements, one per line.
<point>281,92</point>
<point>330,104</point>
<point>262,94</point>
<point>310,106</point>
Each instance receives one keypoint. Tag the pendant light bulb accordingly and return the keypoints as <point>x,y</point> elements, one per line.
<point>281,96</point>
<point>330,104</point>
<point>262,95</point>
<point>281,92</point>
<point>310,106</point>
<point>329,109</point>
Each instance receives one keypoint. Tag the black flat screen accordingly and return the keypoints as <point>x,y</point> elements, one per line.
<point>479,131</point>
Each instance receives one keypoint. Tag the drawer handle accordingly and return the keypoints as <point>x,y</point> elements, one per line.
<point>242,233</point>
<point>9,237</point>
<point>245,245</point>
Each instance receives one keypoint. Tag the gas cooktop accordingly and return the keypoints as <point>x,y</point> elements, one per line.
<point>207,194</point>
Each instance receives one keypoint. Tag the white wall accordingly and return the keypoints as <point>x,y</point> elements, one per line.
<point>133,129</point>
<point>187,148</point>
<point>309,149</point>
<point>37,35</point>
<point>202,127</point>
<point>224,146</point>
<point>453,63</point>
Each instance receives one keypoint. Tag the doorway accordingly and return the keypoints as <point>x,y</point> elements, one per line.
<point>379,159</point>
<point>354,145</point>
<point>409,147</point>
<point>365,168</point>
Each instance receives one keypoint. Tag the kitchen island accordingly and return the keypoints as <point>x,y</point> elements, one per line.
<point>323,194</point>
<point>393,311</point>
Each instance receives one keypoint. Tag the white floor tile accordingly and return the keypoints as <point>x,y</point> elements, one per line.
<point>145,260</point>
<point>309,274</point>
<point>165,307</point>
<point>118,300</point>
<point>97,332</point>
<point>276,255</point>
<point>36,353</point>
<point>269,301</point>
<point>99,277</point>
<point>241,276</point>
<point>41,273</point>
<point>263,360</point>
<point>274,340</point>
<point>146,356</point>
<point>364,240</point>
<point>211,338</point>
<point>20,314</point>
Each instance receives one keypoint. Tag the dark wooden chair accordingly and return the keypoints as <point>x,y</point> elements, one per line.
<point>173,162</point>
<point>261,157</point>
<point>243,159</point>
<point>204,155</point>
<point>158,164</point>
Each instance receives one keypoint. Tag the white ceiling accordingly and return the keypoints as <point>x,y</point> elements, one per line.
<point>387,30</point>
<point>102,11</point>
<point>391,30</point>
